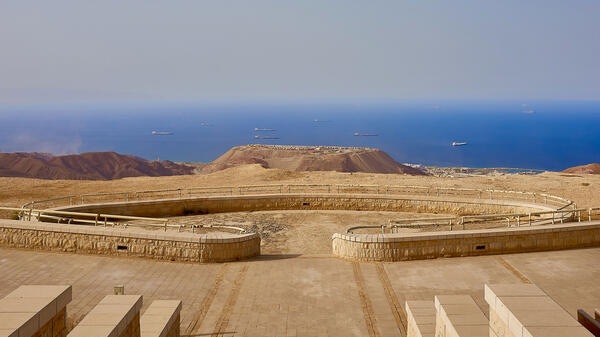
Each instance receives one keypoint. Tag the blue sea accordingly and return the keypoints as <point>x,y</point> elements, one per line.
<point>551,135</point>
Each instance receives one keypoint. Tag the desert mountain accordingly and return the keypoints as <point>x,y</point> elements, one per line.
<point>585,169</point>
<point>85,166</point>
<point>311,158</point>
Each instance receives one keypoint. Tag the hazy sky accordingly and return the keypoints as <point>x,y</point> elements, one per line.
<point>144,50</point>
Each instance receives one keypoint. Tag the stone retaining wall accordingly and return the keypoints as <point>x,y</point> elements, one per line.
<point>174,246</point>
<point>429,245</point>
<point>371,202</point>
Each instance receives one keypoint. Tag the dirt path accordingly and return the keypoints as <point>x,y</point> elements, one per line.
<point>297,232</point>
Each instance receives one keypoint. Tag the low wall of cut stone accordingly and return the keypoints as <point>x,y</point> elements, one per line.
<point>430,245</point>
<point>174,246</point>
<point>371,202</point>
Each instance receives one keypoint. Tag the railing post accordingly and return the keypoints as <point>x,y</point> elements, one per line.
<point>96,223</point>
<point>529,219</point>
<point>553,218</point>
<point>105,219</point>
<point>518,221</point>
<point>30,210</point>
<point>165,226</point>
<point>179,193</point>
<point>382,229</point>
<point>491,195</point>
<point>127,196</point>
<point>590,214</point>
<point>82,199</point>
<point>546,199</point>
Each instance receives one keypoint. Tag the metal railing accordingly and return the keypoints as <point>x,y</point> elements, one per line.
<point>533,218</point>
<point>89,218</point>
<point>396,224</point>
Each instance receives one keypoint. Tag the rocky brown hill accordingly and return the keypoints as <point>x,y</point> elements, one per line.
<point>585,169</point>
<point>311,158</point>
<point>85,166</point>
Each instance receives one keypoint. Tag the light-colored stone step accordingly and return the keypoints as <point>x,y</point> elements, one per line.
<point>524,310</point>
<point>35,310</point>
<point>114,316</point>
<point>459,316</point>
<point>420,317</point>
<point>161,319</point>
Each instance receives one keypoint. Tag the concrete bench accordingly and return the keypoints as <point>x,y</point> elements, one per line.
<point>524,310</point>
<point>420,318</point>
<point>35,310</point>
<point>459,316</point>
<point>161,319</point>
<point>114,316</point>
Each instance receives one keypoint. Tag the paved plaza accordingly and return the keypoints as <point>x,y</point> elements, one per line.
<point>302,295</point>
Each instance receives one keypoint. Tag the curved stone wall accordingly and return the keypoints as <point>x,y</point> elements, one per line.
<point>205,205</point>
<point>173,246</point>
<point>418,246</point>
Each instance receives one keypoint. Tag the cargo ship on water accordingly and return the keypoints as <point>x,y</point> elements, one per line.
<point>459,143</point>
<point>263,129</point>
<point>162,133</point>
<point>357,134</point>
<point>266,137</point>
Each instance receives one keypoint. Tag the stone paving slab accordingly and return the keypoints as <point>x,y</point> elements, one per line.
<point>289,295</point>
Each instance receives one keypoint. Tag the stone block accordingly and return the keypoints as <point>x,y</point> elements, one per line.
<point>114,316</point>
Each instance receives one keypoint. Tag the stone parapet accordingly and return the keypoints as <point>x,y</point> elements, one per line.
<point>420,318</point>
<point>35,311</point>
<point>524,310</point>
<point>310,201</point>
<point>114,316</point>
<point>428,245</point>
<point>174,246</point>
<point>459,316</point>
<point>161,319</point>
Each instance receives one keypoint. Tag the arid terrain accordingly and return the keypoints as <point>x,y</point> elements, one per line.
<point>298,231</point>
<point>593,168</point>
<point>581,188</point>
<point>88,166</point>
<point>311,158</point>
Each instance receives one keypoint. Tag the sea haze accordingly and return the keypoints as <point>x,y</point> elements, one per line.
<point>542,135</point>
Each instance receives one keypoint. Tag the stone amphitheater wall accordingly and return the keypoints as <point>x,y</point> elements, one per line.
<point>174,246</point>
<point>205,205</point>
<point>419,246</point>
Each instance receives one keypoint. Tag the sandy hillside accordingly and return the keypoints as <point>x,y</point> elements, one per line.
<point>90,166</point>
<point>309,158</point>
<point>593,168</point>
<point>582,188</point>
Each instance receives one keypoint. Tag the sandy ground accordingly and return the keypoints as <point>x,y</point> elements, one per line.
<point>297,232</point>
<point>581,188</point>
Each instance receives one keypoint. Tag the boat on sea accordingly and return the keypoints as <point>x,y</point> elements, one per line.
<point>265,137</point>
<point>321,121</point>
<point>263,129</point>
<point>162,133</point>
<point>357,134</point>
<point>459,143</point>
